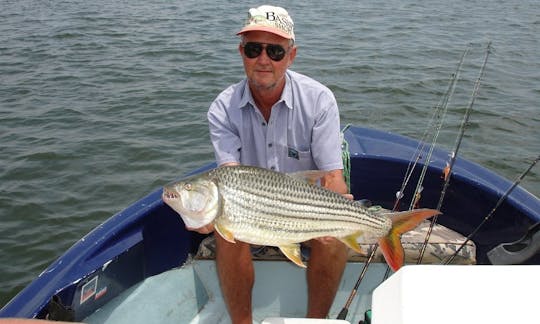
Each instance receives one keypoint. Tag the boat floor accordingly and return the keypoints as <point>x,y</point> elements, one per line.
<point>191,294</point>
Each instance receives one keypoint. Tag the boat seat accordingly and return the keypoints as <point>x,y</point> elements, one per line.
<point>443,243</point>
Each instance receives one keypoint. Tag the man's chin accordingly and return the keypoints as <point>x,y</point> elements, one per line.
<point>263,86</point>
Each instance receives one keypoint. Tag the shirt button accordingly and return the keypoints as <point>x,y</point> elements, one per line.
<point>272,168</point>
<point>269,144</point>
<point>263,123</point>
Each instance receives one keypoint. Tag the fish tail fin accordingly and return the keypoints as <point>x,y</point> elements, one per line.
<point>402,222</point>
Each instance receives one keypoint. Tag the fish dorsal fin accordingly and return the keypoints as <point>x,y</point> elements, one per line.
<point>292,252</point>
<point>310,176</point>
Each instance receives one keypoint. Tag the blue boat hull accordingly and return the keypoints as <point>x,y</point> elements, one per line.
<point>148,238</point>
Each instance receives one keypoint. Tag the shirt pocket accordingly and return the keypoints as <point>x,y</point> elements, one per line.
<point>297,160</point>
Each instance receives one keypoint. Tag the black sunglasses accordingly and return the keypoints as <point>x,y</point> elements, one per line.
<point>275,52</point>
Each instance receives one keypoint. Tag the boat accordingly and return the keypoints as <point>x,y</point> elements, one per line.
<point>142,265</point>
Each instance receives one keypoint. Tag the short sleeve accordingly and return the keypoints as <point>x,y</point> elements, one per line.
<point>326,139</point>
<point>223,135</point>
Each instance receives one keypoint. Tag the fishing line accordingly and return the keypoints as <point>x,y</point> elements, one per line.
<point>490,215</point>
<point>435,124</point>
<point>441,111</point>
<point>457,145</point>
<point>346,157</point>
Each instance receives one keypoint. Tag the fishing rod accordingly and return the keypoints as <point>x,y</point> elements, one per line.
<point>417,155</point>
<point>435,123</point>
<point>451,88</point>
<point>453,156</point>
<point>490,215</point>
<point>345,310</point>
<point>437,116</point>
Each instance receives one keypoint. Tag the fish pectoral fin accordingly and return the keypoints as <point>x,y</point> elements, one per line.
<point>292,252</point>
<point>225,233</point>
<point>351,242</point>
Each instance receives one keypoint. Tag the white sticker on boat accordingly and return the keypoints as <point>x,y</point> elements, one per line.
<point>89,289</point>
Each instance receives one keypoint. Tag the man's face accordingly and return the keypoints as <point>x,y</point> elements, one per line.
<point>262,72</point>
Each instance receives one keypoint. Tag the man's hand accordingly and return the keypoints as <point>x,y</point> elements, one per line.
<point>333,180</point>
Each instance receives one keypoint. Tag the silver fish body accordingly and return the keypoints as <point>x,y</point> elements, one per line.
<point>265,207</point>
<point>270,208</point>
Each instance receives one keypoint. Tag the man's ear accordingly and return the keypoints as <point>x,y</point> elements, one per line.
<point>240,49</point>
<point>292,55</point>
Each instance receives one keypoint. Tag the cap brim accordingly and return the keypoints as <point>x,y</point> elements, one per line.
<point>264,29</point>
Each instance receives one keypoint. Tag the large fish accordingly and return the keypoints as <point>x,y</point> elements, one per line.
<point>264,207</point>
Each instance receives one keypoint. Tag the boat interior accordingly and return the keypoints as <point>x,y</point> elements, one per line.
<point>191,293</point>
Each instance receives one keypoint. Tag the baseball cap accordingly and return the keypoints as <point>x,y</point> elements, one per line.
<point>270,19</point>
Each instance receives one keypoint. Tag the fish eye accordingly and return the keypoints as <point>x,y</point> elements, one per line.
<point>188,186</point>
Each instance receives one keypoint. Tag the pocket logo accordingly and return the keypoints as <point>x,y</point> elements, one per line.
<point>292,153</point>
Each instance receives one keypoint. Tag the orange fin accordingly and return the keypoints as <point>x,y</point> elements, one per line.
<point>351,241</point>
<point>292,252</point>
<point>225,233</point>
<point>392,251</point>
<point>402,222</point>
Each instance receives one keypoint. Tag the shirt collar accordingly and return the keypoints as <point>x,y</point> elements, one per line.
<point>286,96</point>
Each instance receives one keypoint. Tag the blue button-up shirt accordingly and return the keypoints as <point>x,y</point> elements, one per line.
<point>302,132</point>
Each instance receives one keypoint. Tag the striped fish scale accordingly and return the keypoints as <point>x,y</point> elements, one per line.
<point>270,208</point>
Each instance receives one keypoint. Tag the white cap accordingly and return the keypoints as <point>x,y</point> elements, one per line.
<point>270,19</point>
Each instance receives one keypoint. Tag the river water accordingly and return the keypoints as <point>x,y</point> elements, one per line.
<point>103,101</point>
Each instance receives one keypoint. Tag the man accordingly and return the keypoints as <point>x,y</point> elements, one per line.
<point>284,121</point>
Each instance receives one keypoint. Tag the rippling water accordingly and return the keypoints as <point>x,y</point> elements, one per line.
<point>104,101</point>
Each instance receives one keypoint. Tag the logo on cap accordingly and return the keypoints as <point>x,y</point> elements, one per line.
<point>270,19</point>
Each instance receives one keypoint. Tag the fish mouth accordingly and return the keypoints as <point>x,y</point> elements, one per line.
<point>169,195</point>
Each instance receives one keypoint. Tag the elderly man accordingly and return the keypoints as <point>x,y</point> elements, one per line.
<point>282,120</point>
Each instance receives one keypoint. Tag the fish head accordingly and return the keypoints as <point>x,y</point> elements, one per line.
<point>196,199</point>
